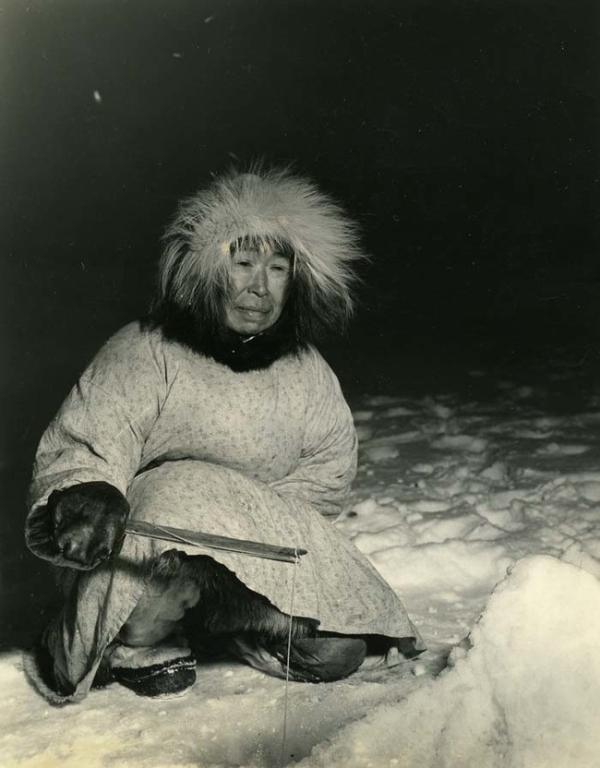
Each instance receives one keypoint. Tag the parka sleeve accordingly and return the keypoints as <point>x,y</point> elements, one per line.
<point>327,464</point>
<point>100,430</point>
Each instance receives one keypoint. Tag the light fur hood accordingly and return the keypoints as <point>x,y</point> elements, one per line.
<point>270,206</point>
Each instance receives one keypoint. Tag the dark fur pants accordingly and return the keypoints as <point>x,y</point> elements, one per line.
<point>226,606</point>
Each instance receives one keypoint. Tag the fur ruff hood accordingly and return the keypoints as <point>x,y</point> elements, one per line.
<point>273,207</point>
<point>268,207</point>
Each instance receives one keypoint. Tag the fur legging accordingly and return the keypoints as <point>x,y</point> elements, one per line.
<point>226,605</point>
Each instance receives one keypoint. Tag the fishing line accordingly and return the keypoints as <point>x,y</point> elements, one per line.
<point>289,653</point>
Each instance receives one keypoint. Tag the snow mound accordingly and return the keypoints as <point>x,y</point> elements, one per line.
<point>527,694</point>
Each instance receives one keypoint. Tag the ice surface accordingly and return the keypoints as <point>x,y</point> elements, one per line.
<point>451,494</point>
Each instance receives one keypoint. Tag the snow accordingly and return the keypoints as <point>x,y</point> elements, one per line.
<point>526,694</point>
<point>483,514</point>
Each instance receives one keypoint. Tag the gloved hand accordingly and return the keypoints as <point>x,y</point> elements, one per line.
<point>88,522</point>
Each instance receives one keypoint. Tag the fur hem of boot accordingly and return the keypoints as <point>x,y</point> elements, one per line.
<point>165,680</point>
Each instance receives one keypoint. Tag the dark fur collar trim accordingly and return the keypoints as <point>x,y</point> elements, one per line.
<point>238,352</point>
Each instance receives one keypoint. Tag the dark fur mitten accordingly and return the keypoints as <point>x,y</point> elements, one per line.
<point>88,522</point>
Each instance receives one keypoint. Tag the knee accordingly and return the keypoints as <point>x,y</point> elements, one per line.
<point>145,631</point>
<point>172,589</point>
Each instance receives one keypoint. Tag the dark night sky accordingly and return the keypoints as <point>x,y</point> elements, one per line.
<point>463,135</point>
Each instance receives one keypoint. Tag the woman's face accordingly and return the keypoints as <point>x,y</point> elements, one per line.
<point>258,288</point>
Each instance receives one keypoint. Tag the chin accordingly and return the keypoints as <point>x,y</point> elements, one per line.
<point>249,326</point>
<point>248,330</point>
<point>243,330</point>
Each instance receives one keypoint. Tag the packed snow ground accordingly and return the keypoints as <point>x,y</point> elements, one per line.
<point>451,494</point>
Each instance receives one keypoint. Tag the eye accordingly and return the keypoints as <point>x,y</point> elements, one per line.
<point>280,267</point>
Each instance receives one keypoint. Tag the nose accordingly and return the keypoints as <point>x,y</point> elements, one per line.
<point>258,284</point>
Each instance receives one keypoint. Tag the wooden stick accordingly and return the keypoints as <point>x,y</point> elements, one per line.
<point>210,540</point>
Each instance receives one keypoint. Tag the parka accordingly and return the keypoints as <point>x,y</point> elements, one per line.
<point>266,453</point>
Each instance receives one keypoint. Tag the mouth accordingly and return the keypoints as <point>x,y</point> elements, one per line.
<point>253,311</point>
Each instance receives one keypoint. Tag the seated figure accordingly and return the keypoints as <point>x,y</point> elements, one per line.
<point>216,413</point>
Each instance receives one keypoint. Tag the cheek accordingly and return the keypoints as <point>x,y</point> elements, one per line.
<point>280,295</point>
<point>235,285</point>
<point>284,286</point>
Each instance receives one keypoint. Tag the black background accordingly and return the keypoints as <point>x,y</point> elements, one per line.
<point>462,134</point>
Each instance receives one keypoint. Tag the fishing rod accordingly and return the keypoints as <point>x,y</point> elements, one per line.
<point>212,541</point>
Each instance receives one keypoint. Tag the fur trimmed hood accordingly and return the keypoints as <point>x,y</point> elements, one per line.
<point>273,206</point>
<point>269,207</point>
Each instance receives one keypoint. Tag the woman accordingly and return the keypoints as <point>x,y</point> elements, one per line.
<point>216,415</point>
